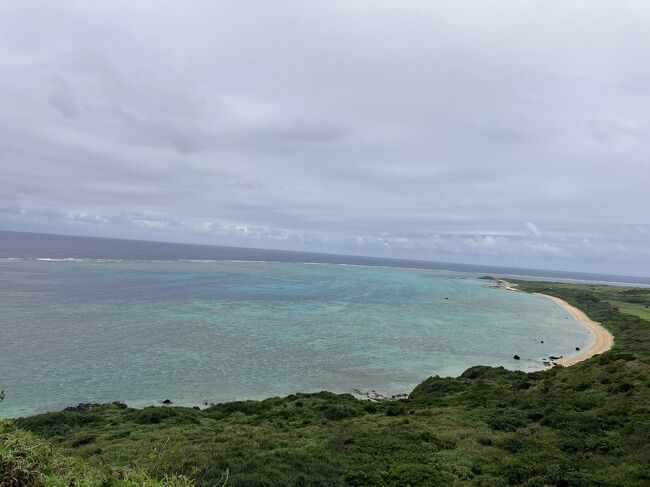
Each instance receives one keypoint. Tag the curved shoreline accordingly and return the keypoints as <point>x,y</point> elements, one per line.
<point>603,342</point>
<point>603,339</point>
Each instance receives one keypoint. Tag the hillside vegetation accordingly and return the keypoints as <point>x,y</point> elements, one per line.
<point>26,460</point>
<point>587,425</point>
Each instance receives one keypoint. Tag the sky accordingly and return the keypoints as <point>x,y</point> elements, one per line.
<point>501,132</point>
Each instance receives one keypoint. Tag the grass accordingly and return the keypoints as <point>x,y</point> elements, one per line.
<point>26,460</point>
<point>642,313</point>
<point>587,425</point>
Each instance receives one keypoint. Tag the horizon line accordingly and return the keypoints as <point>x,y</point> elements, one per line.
<point>397,259</point>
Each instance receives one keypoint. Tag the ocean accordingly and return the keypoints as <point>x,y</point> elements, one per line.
<point>98,320</point>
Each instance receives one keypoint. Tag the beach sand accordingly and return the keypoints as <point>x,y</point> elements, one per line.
<point>603,339</point>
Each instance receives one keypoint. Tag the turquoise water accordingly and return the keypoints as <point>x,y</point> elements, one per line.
<point>195,332</point>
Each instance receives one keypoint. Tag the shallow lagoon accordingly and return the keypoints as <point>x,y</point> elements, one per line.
<point>191,331</point>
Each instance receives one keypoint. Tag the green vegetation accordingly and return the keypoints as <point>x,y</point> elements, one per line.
<point>28,461</point>
<point>587,425</point>
<point>641,312</point>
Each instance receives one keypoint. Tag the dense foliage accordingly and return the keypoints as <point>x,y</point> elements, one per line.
<point>26,460</point>
<point>587,425</point>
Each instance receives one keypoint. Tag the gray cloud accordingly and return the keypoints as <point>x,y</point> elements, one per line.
<point>503,133</point>
<point>62,99</point>
<point>534,229</point>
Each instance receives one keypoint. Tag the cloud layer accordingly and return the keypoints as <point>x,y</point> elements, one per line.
<point>509,133</point>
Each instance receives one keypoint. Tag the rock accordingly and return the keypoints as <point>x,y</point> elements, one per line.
<point>375,396</point>
<point>488,278</point>
<point>577,349</point>
<point>82,407</point>
<point>542,341</point>
<point>446,298</point>
<point>399,396</point>
<point>555,358</point>
<point>516,357</point>
<point>167,401</point>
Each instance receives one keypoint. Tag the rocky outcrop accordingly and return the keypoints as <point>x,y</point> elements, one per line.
<point>378,397</point>
<point>82,407</point>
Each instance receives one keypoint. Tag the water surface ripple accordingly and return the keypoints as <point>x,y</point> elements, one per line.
<point>144,331</point>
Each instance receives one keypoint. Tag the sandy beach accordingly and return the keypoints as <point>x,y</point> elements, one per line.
<point>603,339</point>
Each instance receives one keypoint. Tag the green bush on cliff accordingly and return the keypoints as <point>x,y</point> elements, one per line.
<point>28,461</point>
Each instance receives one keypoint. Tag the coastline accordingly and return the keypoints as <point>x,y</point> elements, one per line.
<point>603,339</point>
<point>602,342</point>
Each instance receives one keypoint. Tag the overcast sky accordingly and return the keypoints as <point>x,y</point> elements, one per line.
<point>502,132</point>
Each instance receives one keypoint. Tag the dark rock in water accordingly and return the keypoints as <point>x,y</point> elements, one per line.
<point>82,407</point>
<point>196,407</point>
<point>555,358</point>
<point>546,363</point>
<point>577,349</point>
<point>488,278</point>
<point>542,341</point>
<point>516,357</point>
<point>446,298</point>
<point>205,403</point>
<point>167,401</point>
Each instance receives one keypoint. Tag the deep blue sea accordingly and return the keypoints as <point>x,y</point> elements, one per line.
<point>96,320</point>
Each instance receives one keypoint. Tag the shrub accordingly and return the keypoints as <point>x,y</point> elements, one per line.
<point>342,411</point>
<point>364,478</point>
<point>26,461</point>
<point>154,415</point>
<point>508,419</point>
